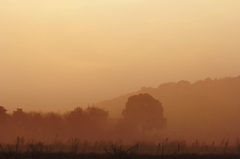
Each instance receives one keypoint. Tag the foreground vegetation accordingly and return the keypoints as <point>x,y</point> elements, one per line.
<point>75,148</point>
<point>104,156</point>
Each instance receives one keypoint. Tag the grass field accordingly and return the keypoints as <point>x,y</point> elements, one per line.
<point>104,156</point>
<point>84,149</point>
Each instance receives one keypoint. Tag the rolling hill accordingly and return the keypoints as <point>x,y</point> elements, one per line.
<point>207,109</point>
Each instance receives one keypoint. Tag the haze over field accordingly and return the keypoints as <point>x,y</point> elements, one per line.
<point>207,110</point>
<point>57,55</point>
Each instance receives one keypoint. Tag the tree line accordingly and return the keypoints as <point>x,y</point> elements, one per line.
<point>142,114</point>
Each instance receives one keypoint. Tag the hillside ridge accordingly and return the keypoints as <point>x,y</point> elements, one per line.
<point>211,107</point>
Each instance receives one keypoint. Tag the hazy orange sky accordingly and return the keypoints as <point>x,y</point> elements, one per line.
<point>58,54</point>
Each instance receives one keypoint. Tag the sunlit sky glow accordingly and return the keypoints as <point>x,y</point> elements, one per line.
<point>56,54</point>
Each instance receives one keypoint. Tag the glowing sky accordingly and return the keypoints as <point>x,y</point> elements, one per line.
<point>58,54</point>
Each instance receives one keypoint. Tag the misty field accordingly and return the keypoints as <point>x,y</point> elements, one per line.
<point>89,133</point>
<point>75,148</point>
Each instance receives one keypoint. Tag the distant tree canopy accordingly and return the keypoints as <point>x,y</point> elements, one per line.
<point>142,112</point>
<point>145,112</point>
<point>80,123</point>
<point>91,114</point>
<point>3,115</point>
<point>2,111</point>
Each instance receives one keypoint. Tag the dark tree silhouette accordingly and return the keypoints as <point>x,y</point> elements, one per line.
<point>4,124</point>
<point>4,117</point>
<point>145,112</point>
<point>87,122</point>
<point>3,112</point>
<point>97,115</point>
<point>97,121</point>
<point>54,126</point>
<point>19,120</point>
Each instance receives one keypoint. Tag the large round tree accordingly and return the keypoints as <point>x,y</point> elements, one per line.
<point>144,112</point>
